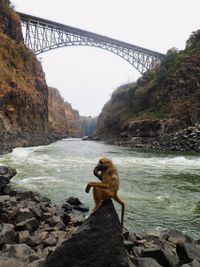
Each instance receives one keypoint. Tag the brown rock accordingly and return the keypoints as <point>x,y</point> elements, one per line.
<point>12,262</point>
<point>19,251</point>
<point>7,234</point>
<point>24,237</point>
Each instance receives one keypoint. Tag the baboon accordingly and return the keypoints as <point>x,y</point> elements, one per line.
<point>108,187</point>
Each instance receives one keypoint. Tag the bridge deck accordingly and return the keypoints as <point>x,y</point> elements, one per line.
<point>63,27</point>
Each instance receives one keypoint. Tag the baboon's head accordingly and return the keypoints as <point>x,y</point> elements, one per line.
<point>104,163</point>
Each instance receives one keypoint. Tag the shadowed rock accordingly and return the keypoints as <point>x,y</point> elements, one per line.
<point>98,242</point>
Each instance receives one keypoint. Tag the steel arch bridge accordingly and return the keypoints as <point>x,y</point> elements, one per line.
<point>41,35</point>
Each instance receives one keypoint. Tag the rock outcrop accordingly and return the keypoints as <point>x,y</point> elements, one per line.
<point>23,89</point>
<point>63,120</point>
<point>98,242</point>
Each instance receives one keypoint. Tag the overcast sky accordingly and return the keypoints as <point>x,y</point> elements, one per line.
<point>87,76</point>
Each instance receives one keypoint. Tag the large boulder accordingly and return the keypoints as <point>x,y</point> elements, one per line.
<point>98,242</point>
<point>6,173</point>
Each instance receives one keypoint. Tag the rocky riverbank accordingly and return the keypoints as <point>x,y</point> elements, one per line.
<point>142,136</point>
<point>31,227</point>
<point>36,233</point>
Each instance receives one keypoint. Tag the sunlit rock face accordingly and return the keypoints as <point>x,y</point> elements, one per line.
<point>23,89</point>
<point>63,120</point>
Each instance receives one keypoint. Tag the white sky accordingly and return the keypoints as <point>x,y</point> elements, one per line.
<point>87,76</point>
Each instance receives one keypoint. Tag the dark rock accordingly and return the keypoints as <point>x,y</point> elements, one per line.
<point>3,183</point>
<point>23,214</point>
<point>37,212</point>
<point>67,207</point>
<point>164,257</point>
<point>30,224</point>
<point>7,173</point>
<point>66,219</point>
<point>6,190</point>
<point>146,262</point>
<point>98,242</point>
<point>128,245</point>
<point>188,252</point>
<point>81,208</point>
<point>73,201</point>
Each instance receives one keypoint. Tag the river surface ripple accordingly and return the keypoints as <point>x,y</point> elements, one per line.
<point>161,190</point>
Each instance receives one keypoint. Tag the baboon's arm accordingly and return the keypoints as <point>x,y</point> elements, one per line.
<point>96,184</point>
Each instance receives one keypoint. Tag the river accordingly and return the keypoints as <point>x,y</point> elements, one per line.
<point>161,190</point>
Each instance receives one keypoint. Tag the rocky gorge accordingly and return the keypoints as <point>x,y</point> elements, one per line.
<point>36,233</point>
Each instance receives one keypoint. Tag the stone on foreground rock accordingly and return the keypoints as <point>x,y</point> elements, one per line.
<point>97,243</point>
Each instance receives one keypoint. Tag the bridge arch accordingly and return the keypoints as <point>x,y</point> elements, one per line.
<point>43,35</point>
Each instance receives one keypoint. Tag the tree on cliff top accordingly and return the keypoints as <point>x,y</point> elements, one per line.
<point>5,3</point>
<point>193,40</point>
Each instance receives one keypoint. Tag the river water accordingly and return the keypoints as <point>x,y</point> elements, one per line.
<point>161,190</point>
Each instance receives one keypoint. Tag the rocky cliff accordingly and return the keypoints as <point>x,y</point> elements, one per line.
<point>23,89</point>
<point>63,120</point>
<point>160,110</point>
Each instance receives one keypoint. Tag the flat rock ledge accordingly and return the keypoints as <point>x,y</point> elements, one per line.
<point>36,233</point>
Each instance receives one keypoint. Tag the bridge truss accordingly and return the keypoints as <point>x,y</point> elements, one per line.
<point>41,35</point>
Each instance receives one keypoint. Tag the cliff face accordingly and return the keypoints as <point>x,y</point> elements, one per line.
<point>63,120</point>
<point>23,89</point>
<point>162,102</point>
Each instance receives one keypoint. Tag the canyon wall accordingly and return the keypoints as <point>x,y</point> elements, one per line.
<point>160,110</point>
<point>26,118</point>
<point>23,89</point>
<point>63,120</point>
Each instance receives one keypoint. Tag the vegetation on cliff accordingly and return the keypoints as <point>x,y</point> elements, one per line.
<point>168,94</point>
